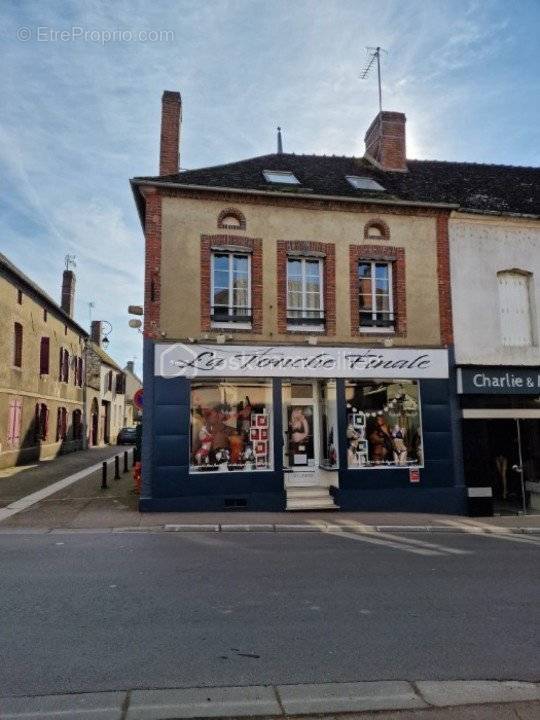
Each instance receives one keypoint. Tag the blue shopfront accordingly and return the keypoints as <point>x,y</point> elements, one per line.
<point>246,427</point>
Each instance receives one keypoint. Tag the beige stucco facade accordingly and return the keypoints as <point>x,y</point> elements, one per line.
<point>185,219</point>
<point>25,385</point>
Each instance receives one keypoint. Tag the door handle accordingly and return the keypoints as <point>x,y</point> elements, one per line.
<point>517,468</point>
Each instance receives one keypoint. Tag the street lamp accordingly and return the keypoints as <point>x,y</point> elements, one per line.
<point>105,341</point>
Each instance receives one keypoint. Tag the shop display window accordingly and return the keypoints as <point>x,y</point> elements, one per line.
<point>231,426</point>
<point>384,427</point>
<point>329,432</point>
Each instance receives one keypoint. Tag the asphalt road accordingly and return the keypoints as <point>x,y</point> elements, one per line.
<point>86,612</point>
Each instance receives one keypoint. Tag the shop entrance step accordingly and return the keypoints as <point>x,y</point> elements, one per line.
<point>310,497</point>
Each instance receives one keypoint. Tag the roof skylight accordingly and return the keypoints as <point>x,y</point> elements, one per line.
<point>282,177</point>
<point>363,183</point>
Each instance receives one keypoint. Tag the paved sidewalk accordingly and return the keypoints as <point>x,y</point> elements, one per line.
<point>19,481</point>
<point>84,505</point>
<point>450,700</point>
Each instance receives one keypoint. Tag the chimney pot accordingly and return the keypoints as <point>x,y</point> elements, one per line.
<point>131,366</point>
<point>68,292</point>
<point>385,141</point>
<point>171,117</point>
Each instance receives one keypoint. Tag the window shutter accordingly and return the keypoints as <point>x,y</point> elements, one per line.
<point>514,307</point>
<point>46,423</point>
<point>61,365</point>
<point>11,422</point>
<point>44,356</point>
<point>17,422</point>
<point>36,423</point>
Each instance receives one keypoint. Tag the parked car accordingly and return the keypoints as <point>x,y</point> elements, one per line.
<point>127,436</point>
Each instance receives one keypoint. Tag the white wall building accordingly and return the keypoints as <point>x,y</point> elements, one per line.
<point>495,278</point>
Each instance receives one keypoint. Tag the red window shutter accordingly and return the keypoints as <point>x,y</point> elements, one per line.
<point>45,422</point>
<point>17,344</point>
<point>36,423</point>
<point>61,365</point>
<point>44,356</point>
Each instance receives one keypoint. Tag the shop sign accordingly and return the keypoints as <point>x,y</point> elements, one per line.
<point>499,381</point>
<point>200,361</point>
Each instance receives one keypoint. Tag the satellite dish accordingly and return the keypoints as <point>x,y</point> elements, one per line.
<point>133,323</point>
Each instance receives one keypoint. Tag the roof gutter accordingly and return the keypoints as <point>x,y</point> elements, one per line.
<point>305,196</point>
<point>496,213</point>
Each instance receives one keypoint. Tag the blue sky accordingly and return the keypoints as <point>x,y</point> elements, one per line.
<point>80,115</point>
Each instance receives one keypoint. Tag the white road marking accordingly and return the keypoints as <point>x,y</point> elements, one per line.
<point>478,529</point>
<point>421,543</point>
<point>24,503</point>
<point>396,542</point>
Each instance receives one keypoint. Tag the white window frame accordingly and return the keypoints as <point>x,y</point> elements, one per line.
<point>296,323</point>
<point>378,329</point>
<point>507,330</point>
<point>239,325</point>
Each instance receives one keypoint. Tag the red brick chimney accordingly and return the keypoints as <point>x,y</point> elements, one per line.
<point>68,292</point>
<point>385,141</point>
<point>171,117</point>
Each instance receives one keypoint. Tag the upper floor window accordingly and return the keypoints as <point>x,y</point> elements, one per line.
<point>231,287</point>
<point>17,344</point>
<point>305,304</point>
<point>19,296</point>
<point>515,308</point>
<point>44,356</point>
<point>375,299</point>
<point>110,380</point>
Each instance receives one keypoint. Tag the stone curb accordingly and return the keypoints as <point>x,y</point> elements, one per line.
<point>268,700</point>
<point>278,527</point>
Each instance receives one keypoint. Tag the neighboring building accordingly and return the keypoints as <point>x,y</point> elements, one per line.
<point>132,415</point>
<point>105,395</point>
<point>41,369</point>
<point>495,262</point>
<point>297,330</point>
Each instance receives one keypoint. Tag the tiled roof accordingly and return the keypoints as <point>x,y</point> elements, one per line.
<point>484,188</point>
<point>26,282</point>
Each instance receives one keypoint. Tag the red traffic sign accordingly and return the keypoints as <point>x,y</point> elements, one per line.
<point>138,399</point>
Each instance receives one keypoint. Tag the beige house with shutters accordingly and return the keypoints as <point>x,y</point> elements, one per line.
<point>41,370</point>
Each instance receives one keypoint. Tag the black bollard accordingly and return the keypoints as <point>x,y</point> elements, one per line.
<point>104,485</point>
<point>126,461</point>
<point>117,467</point>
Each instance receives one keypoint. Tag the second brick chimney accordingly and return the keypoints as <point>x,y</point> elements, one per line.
<point>385,141</point>
<point>96,332</point>
<point>68,292</point>
<point>171,117</point>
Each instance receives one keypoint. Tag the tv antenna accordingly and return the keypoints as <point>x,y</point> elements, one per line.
<point>374,59</point>
<point>70,262</point>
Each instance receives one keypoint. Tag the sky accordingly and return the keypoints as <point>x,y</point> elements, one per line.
<point>81,87</point>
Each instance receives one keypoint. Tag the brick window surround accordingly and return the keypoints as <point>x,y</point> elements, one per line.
<point>284,247</point>
<point>254,246</point>
<point>383,253</point>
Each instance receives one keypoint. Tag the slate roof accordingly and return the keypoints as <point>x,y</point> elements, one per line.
<point>482,188</point>
<point>27,283</point>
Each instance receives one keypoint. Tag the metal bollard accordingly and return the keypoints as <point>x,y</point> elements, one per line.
<point>125,461</point>
<point>117,467</point>
<point>104,485</point>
